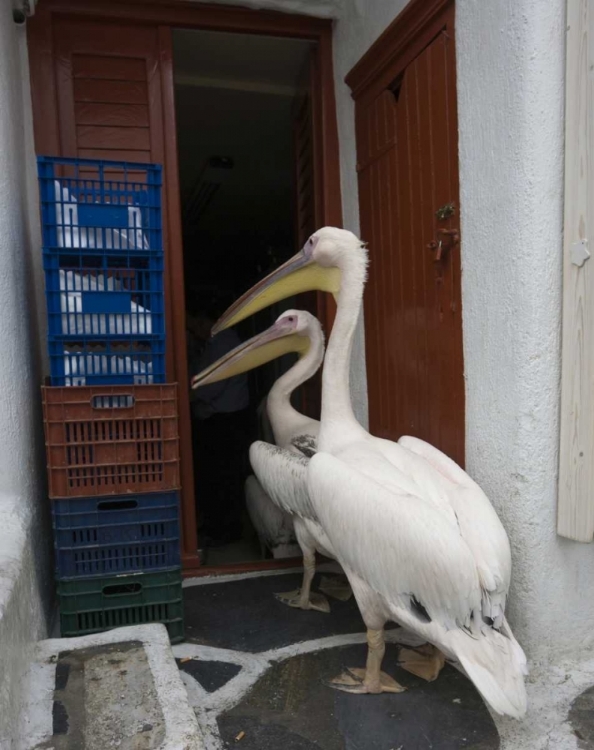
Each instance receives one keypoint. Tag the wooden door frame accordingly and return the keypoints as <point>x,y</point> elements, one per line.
<point>166,15</point>
<point>405,38</point>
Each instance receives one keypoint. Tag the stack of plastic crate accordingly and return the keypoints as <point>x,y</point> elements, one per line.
<point>111,421</point>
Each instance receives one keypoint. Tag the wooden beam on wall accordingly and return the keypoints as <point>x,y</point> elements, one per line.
<point>575,515</point>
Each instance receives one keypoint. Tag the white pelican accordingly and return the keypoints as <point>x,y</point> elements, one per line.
<point>417,538</point>
<point>273,526</point>
<point>294,331</point>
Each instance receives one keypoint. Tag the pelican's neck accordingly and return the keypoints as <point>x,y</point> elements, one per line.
<point>336,393</point>
<point>283,417</point>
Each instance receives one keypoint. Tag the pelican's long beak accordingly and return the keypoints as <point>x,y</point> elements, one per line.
<point>299,274</point>
<point>272,343</point>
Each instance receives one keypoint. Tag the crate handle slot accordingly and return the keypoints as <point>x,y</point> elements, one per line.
<point>114,401</point>
<point>117,504</point>
<point>120,589</point>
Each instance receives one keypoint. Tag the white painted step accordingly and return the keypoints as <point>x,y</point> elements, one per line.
<point>120,689</point>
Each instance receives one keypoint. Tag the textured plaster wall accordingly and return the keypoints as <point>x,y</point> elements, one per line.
<point>511,99</point>
<point>24,532</point>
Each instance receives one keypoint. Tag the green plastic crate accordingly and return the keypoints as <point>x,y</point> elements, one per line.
<point>91,605</point>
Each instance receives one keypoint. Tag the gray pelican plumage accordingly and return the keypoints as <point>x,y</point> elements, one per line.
<point>273,526</point>
<point>295,435</point>
<point>418,539</point>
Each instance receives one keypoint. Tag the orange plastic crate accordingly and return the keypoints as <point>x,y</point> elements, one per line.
<point>110,440</point>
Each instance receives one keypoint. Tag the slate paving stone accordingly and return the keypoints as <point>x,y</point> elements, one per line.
<point>581,718</point>
<point>263,736</point>
<point>212,675</point>
<point>244,615</point>
<point>291,708</point>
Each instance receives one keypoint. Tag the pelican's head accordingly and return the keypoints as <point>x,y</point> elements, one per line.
<point>318,266</point>
<point>293,331</point>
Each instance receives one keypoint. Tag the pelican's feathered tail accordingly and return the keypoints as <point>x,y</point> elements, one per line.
<point>496,665</point>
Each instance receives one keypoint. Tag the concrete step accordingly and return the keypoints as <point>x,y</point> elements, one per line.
<point>119,689</point>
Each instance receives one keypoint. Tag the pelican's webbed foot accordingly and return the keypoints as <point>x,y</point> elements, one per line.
<point>313,601</point>
<point>337,586</point>
<point>425,662</point>
<point>359,682</point>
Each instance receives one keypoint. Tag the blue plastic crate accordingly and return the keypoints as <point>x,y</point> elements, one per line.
<point>97,536</point>
<point>100,206</point>
<point>103,261</point>
<point>132,361</point>
<point>94,297</point>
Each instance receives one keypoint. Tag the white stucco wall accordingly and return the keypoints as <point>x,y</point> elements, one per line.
<point>25,576</point>
<point>511,102</point>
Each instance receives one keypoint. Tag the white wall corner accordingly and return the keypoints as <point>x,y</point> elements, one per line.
<point>511,62</point>
<point>25,585</point>
<point>25,574</point>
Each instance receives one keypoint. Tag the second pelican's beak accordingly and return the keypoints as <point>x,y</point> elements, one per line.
<point>299,274</point>
<point>274,342</point>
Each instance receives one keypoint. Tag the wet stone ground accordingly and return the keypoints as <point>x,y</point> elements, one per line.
<point>212,675</point>
<point>244,615</point>
<point>288,706</point>
<point>291,708</point>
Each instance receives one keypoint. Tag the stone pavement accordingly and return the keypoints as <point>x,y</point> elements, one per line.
<point>255,672</point>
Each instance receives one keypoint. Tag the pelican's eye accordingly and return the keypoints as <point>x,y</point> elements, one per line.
<point>309,246</point>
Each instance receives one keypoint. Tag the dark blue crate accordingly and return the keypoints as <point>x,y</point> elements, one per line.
<point>96,536</point>
<point>99,206</point>
<point>120,361</point>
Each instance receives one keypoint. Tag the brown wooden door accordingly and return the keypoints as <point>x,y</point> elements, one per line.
<point>408,170</point>
<point>102,85</point>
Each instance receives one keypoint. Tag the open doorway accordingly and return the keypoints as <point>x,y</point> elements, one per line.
<point>247,197</point>
<point>102,85</point>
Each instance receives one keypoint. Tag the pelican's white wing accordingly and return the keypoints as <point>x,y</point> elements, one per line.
<point>283,475</point>
<point>394,472</point>
<point>479,523</point>
<point>400,545</point>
